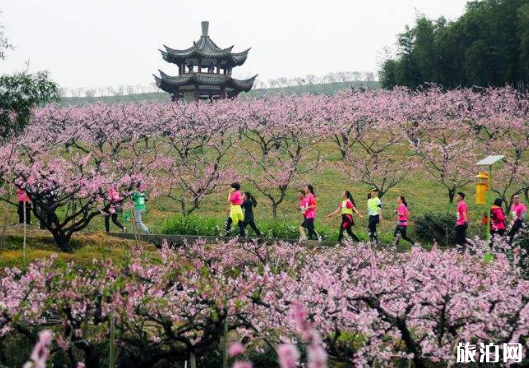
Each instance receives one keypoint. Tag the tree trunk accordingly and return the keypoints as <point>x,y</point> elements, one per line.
<point>184,209</point>
<point>274,210</point>
<point>192,360</point>
<point>62,240</point>
<point>452,194</point>
<point>92,357</point>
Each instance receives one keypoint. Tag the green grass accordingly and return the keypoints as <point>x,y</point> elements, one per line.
<point>422,193</point>
<point>41,245</point>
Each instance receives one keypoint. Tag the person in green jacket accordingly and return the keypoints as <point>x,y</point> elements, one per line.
<point>139,199</point>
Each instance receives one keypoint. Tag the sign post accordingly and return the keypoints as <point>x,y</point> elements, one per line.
<point>488,162</point>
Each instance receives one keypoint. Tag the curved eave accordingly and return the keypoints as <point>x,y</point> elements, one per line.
<point>205,54</point>
<point>179,52</point>
<point>204,48</point>
<point>240,57</point>
<point>170,84</point>
<point>243,85</point>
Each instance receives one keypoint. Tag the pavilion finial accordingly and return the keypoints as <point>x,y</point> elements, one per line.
<point>205,26</point>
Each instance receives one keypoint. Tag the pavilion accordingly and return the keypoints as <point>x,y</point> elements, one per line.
<point>204,71</point>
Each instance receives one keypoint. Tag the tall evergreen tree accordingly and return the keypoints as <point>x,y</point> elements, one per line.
<point>19,93</point>
<point>487,46</point>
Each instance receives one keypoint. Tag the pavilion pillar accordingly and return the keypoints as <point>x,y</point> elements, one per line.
<point>218,66</point>
<point>197,95</point>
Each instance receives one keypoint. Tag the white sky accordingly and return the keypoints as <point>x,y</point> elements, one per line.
<point>97,43</point>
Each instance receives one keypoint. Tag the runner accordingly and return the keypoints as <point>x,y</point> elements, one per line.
<point>310,212</point>
<point>346,208</point>
<point>236,216</point>
<point>139,199</point>
<point>402,222</point>
<point>462,219</point>
<point>374,210</point>
<point>112,212</point>
<point>518,217</point>
<point>249,202</point>
<point>497,218</point>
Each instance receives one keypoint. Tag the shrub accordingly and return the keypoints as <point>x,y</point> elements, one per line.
<point>522,240</point>
<point>193,225</point>
<point>208,226</point>
<point>436,227</point>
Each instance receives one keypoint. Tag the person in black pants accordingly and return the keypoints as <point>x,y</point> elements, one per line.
<point>462,220</point>
<point>518,217</point>
<point>20,211</point>
<point>23,203</point>
<point>114,217</point>
<point>402,222</point>
<point>249,203</point>
<point>346,208</point>
<point>374,210</point>
<point>112,211</point>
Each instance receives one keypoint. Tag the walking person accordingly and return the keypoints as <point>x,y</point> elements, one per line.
<point>402,222</point>
<point>518,211</point>
<point>462,220</point>
<point>113,210</point>
<point>302,204</point>
<point>346,208</point>
<point>374,210</point>
<point>497,219</point>
<point>24,207</point>
<point>249,202</point>
<point>310,212</point>
<point>236,215</point>
<point>139,199</point>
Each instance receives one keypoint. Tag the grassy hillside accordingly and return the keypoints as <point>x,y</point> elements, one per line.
<point>41,245</point>
<point>317,89</point>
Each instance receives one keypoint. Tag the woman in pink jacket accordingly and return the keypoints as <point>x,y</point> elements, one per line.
<point>113,209</point>
<point>497,218</point>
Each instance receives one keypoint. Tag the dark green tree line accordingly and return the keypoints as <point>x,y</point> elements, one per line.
<point>19,93</point>
<point>487,46</point>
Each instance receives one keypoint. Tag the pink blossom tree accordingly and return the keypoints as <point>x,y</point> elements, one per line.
<point>500,120</point>
<point>368,306</point>
<point>196,143</point>
<point>282,132</point>
<point>69,158</point>
<point>447,157</point>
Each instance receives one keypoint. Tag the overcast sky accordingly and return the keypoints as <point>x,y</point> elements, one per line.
<point>97,43</point>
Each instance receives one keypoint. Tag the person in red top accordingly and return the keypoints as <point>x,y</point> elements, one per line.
<point>518,217</point>
<point>497,218</point>
<point>346,208</point>
<point>402,222</point>
<point>24,207</point>
<point>310,212</point>
<point>462,219</point>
